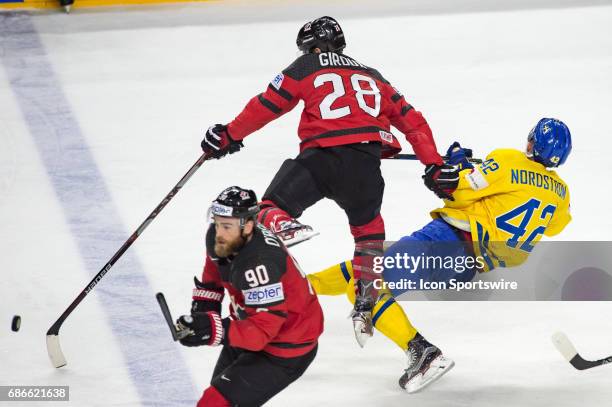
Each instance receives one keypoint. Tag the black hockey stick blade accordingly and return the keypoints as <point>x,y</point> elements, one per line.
<point>569,352</point>
<point>161,300</point>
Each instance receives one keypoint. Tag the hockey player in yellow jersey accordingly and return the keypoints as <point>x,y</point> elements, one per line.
<point>500,210</point>
<point>506,204</point>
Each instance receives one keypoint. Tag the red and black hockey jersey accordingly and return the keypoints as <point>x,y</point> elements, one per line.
<point>345,102</point>
<point>273,306</point>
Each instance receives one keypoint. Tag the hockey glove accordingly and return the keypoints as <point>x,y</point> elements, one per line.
<point>217,142</point>
<point>442,179</point>
<point>206,297</point>
<point>458,155</point>
<point>362,311</point>
<point>207,328</point>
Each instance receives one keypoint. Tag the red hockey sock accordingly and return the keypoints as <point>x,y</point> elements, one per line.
<point>369,240</point>
<point>271,215</point>
<point>212,398</point>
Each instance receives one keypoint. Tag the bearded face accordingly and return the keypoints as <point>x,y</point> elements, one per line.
<point>225,247</point>
<point>229,236</point>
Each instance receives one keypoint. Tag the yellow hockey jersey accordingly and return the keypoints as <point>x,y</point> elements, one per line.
<point>507,203</point>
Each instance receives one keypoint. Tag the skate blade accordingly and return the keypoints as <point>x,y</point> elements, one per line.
<point>362,333</point>
<point>297,237</point>
<point>438,368</point>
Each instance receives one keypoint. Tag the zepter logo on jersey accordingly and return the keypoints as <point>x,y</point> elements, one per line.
<point>267,294</point>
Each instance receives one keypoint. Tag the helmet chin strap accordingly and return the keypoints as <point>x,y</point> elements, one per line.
<point>243,241</point>
<point>244,237</point>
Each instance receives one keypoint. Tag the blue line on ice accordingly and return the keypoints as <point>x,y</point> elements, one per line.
<point>155,365</point>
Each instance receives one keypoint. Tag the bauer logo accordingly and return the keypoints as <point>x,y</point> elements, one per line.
<point>278,81</point>
<point>264,295</point>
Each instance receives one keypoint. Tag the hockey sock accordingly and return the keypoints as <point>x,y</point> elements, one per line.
<point>389,318</point>
<point>369,240</point>
<point>333,280</point>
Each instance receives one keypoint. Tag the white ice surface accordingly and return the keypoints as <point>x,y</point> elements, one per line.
<point>143,84</point>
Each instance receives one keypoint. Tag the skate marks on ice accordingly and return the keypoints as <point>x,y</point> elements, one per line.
<point>155,365</point>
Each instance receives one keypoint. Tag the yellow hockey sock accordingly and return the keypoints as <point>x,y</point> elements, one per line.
<point>388,316</point>
<point>332,280</point>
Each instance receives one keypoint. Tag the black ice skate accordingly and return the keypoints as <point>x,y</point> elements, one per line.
<point>292,232</point>
<point>426,364</point>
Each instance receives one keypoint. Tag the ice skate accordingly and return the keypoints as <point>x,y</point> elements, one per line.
<point>362,312</point>
<point>292,232</point>
<point>426,364</point>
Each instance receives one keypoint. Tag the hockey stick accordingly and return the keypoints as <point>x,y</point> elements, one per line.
<point>53,346</point>
<point>177,334</point>
<point>567,349</point>
<point>414,157</point>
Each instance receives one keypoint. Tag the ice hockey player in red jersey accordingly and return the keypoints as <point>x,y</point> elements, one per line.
<point>271,337</point>
<point>344,132</point>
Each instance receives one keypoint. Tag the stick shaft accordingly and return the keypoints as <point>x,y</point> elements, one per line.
<point>54,329</point>
<point>414,158</point>
<point>163,305</point>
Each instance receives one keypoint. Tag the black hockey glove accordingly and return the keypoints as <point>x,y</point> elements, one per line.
<point>217,142</point>
<point>206,297</point>
<point>207,328</point>
<point>442,179</point>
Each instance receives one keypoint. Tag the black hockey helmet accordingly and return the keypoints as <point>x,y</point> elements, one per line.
<point>236,202</point>
<point>323,33</point>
